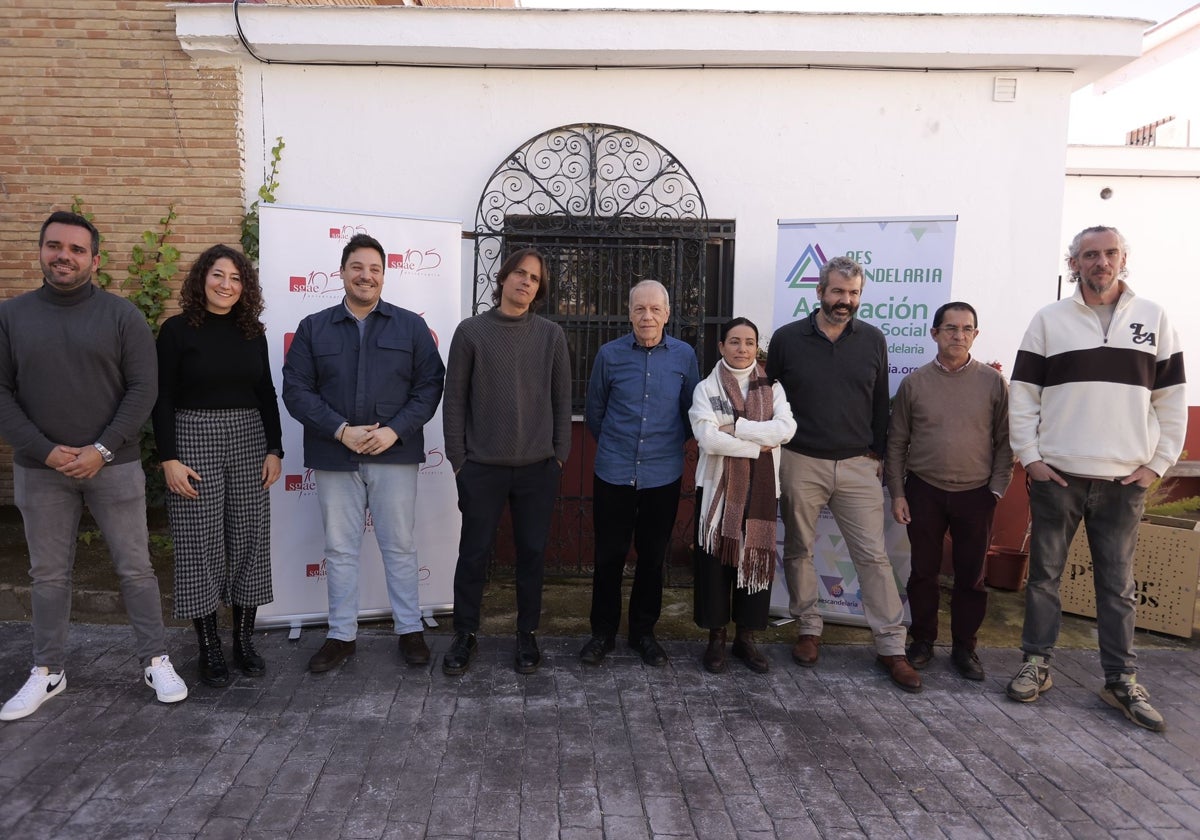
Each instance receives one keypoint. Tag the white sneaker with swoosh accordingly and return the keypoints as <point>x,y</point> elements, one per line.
<point>40,687</point>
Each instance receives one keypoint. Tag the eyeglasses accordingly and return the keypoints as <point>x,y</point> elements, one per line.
<point>963,331</point>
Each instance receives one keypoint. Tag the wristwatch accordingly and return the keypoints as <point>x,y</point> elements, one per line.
<point>104,452</point>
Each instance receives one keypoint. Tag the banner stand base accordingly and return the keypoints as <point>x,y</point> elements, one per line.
<point>294,631</point>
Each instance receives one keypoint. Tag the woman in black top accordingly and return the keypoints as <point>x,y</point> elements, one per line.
<point>219,439</point>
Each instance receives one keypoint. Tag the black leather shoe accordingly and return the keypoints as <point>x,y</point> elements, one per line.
<point>413,648</point>
<point>650,650</point>
<point>528,656</point>
<point>967,663</point>
<point>333,653</point>
<point>458,658</point>
<point>595,649</point>
<point>919,653</point>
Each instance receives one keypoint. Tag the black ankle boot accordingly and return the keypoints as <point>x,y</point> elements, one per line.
<point>213,670</point>
<point>244,654</point>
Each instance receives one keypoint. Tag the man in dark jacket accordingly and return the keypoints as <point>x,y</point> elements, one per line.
<point>364,377</point>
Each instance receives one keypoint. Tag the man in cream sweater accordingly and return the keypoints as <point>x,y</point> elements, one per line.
<point>1097,413</point>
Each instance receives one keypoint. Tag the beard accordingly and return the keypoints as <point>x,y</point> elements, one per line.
<point>839,313</point>
<point>1102,285</point>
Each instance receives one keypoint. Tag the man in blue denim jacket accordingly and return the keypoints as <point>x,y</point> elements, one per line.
<point>637,409</point>
<point>364,377</point>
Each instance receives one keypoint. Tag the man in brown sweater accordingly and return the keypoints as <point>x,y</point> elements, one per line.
<point>948,461</point>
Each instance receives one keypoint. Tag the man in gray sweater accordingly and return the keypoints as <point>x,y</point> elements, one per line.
<point>507,420</point>
<point>78,378</point>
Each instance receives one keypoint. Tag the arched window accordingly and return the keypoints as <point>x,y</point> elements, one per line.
<point>608,207</point>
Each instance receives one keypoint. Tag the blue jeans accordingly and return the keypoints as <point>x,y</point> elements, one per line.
<point>1110,512</point>
<point>51,504</point>
<point>390,491</point>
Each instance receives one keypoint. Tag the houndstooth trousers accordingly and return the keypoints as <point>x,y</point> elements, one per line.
<point>223,538</point>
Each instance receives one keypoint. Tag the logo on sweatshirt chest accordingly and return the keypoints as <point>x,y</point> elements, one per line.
<point>1140,337</point>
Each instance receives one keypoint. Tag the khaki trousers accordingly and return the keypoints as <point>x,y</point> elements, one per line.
<point>852,490</point>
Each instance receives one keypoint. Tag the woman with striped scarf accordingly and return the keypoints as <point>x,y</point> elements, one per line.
<point>739,420</point>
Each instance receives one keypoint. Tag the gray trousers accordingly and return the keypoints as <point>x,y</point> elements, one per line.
<point>51,504</point>
<point>1110,512</point>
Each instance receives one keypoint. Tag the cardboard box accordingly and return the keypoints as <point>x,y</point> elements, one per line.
<point>1166,566</point>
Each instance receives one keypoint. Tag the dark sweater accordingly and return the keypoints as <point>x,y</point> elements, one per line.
<point>76,368</point>
<point>213,366</point>
<point>508,391</point>
<point>838,390</point>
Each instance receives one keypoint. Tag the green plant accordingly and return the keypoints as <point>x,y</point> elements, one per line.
<point>89,536</point>
<point>265,193</point>
<point>154,263</point>
<point>161,544</point>
<point>102,278</point>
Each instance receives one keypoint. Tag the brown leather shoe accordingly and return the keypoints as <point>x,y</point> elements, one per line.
<point>333,653</point>
<point>413,648</point>
<point>805,650</point>
<point>745,650</point>
<point>902,674</point>
<point>714,656</point>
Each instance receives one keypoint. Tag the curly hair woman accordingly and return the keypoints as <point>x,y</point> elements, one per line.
<point>219,439</point>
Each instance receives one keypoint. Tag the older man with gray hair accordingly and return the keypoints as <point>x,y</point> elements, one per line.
<point>637,409</point>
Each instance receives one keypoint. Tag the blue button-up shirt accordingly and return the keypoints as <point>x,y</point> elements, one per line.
<point>637,405</point>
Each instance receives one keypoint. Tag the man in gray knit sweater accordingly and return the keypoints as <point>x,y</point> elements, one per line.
<point>507,420</point>
<point>78,378</point>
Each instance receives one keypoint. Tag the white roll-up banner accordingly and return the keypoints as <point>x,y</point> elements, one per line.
<point>299,260</point>
<point>907,263</point>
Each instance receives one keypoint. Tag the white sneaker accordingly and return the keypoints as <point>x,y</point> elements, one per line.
<point>166,683</point>
<point>40,687</point>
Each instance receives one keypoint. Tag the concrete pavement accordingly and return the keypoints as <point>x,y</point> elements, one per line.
<point>376,749</point>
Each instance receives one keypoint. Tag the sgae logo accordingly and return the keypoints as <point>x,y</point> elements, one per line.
<point>304,484</point>
<point>315,570</point>
<point>346,232</point>
<point>317,283</point>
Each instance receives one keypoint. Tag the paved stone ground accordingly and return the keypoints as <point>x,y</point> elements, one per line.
<point>622,751</point>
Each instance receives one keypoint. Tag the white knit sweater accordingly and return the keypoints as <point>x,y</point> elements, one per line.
<point>1098,404</point>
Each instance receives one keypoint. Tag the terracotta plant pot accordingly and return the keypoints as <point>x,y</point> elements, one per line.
<point>1006,568</point>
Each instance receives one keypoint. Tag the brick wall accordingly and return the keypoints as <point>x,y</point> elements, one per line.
<point>98,100</point>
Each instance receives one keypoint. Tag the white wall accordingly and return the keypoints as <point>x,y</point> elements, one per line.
<point>763,145</point>
<point>1153,203</point>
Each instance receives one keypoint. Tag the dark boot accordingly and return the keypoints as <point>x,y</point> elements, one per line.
<point>714,657</point>
<point>746,650</point>
<point>211,661</point>
<point>244,654</point>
